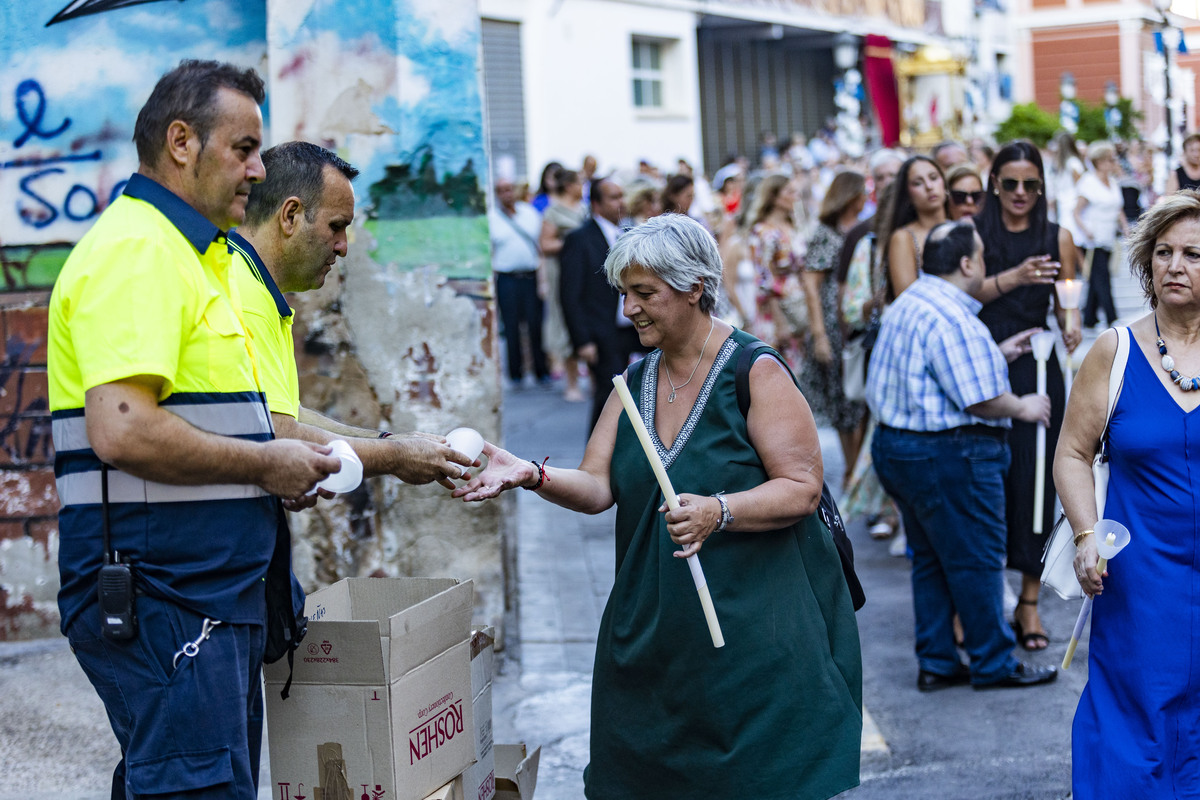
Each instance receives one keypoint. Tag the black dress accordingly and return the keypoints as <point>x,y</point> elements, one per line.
<point>1184,181</point>
<point>1020,309</point>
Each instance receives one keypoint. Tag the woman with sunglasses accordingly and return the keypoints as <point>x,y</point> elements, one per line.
<point>1025,253</point>
<point>966,191</point>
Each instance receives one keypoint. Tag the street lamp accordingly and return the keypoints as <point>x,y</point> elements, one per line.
<point>850,132</point>
<point>1113,118</point>
<point>1068,109</point>
<point>1163,6</point>
<point>845,51</point>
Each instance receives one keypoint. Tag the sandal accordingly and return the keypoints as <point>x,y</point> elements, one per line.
<point>1029,640</point>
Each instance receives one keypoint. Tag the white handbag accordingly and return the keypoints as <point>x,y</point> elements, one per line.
<point>854,368</point>
<point>1059,556</point>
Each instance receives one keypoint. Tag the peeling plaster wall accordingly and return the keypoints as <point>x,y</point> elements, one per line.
<point>28,502</point>
<point>405,342</point>
<point>403,339</point>
<point>399,351</point>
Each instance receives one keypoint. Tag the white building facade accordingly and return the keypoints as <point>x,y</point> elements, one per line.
<point>659,80</point>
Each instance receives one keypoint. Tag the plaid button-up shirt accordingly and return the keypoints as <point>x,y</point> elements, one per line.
<point>934,358</point>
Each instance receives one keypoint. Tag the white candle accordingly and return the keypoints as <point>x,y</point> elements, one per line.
<point>664,483</point>
<point>1042,344</point>
<point>1081,620</point>
<point>467,441</point>
<point>1068,291</point>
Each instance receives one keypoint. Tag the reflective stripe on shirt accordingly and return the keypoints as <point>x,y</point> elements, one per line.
<point>240,414</point>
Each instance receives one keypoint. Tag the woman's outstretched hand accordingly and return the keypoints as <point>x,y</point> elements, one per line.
<point>504,471</point>
<point>693,522</point>
<point>1071,340</point>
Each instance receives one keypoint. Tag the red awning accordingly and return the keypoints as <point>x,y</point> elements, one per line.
<point>881,86</point>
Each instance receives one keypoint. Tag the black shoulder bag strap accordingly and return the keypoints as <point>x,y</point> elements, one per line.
<point>286,624</point>
<point>827,510</point>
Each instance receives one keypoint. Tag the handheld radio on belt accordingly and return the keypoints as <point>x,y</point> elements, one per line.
<point>117,618</point>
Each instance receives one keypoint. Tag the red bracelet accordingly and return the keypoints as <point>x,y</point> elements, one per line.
<point>542,478</point>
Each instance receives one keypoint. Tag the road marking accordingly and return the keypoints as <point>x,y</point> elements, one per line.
<point>872,739</point>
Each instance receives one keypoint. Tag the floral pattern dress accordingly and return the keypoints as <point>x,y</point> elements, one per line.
<point>777,267</point>
<point>822,383</point>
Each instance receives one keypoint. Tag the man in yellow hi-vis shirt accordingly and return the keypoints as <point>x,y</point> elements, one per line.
<point>294,231</point>
<point>168,472</point>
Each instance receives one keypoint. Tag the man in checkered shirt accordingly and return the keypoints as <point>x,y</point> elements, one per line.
<point>938,385</point>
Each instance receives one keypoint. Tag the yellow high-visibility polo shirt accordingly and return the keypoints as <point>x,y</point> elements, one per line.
<point>136,297</point>
<point>269,320</point>
<point>148,291</point>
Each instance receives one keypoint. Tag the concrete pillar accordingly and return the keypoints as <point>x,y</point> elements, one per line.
<point>403,339</point>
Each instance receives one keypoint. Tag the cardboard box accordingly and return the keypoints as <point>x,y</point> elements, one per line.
<point>380,703</point>
<point>516,774</point>
<point>479,779</point>
<point>451,791</point>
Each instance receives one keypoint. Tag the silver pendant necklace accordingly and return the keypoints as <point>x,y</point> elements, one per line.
<point>703,347</point>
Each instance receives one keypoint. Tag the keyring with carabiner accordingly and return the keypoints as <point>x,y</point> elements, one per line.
<point>193,647</point>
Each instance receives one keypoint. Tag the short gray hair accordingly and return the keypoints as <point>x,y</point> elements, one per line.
<point>883,156</point>
<point>674,247</point>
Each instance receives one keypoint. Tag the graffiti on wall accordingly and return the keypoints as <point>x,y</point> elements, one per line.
<point>401,101</point>
<point>72,78</point>
<point>83,8</point>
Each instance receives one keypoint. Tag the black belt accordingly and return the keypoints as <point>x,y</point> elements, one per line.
<point>977,429</point>
<point>522,273</point>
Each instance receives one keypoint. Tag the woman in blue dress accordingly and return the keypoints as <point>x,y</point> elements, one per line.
<point>1137,729</point>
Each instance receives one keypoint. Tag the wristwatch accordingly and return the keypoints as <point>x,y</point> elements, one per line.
<point>726,517</point>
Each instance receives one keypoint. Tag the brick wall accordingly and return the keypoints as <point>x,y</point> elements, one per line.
<point>1092,53</point>
<point>28,502</point>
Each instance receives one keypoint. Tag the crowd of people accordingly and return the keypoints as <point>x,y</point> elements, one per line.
<point>896,299</point>
<point>902,290</point>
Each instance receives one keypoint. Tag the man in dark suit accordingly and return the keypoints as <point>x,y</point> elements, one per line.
<point>591,307</point>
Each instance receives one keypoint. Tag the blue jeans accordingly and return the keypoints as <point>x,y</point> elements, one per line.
<point>949,488</point>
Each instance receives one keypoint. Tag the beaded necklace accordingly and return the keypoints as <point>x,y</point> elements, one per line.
<point>1168,363</point>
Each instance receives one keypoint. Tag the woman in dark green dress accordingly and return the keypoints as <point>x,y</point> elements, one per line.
<point>775,713</point>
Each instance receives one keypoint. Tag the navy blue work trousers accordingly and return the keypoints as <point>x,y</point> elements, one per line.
<point>191,729</point>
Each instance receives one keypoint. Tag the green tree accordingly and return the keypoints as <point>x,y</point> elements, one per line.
<point>1092,125</point>
<point>1027,121</point>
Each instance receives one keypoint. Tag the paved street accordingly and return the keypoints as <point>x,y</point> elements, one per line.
<point>953,744</point>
